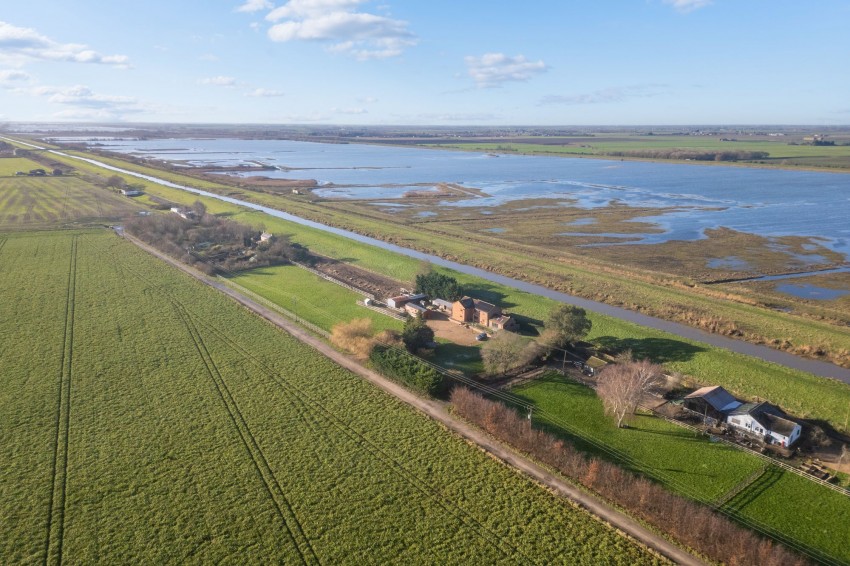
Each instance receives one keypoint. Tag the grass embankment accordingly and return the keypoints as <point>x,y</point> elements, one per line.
<point>784,504</point>
<point>800,393</point>
<point>187,427</point>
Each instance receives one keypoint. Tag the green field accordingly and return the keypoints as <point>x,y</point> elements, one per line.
<point>781,153</point>
<point>11,165</point>
<point>311,297</point>
<point>45,201</point>
<point>779,502</point>
<point>148,419</point>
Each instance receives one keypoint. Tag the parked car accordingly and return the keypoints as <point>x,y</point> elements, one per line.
<point>482,336</point>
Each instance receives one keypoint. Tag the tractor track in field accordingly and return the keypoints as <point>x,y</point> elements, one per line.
<point>310,405</point>
<point>54,539</point>
<point>273,488</point>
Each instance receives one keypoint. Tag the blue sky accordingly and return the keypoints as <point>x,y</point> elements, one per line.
<point>601,62</point>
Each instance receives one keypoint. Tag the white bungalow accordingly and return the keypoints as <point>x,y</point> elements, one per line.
<point>765,421</point>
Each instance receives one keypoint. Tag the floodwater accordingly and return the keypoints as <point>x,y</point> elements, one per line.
<point>809,291</point>
<point>815,367</point>
<point>696,197</point>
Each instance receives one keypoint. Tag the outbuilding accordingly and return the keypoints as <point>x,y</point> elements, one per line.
<point>416,310</point>
<point>711,403</point>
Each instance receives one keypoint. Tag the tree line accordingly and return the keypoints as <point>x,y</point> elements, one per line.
<point>685,154</point>
<point>212,244</point>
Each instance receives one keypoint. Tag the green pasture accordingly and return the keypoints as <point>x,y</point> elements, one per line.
<point>311,297</point>
<point>11,165</point>
<point>790,507</point>
<point>780,152</point>
<point>149,419</point>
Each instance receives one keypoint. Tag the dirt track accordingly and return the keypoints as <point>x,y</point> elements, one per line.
<point>439,412</point>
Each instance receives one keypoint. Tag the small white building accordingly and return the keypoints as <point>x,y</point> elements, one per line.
<point>765,421</point>
<point>401,300</point>
<point>266,236</point>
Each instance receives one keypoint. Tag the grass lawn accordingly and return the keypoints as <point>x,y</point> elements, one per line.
<point>784,503</point>
<point>689,464</point>
<point>312,298</point>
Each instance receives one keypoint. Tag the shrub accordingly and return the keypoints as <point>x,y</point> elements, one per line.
<point>406,369</point>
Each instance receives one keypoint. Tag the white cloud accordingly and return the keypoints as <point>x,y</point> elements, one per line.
<point>84,104</point>
<point>310,8</point>
<point>10,77</point>
<point>264,93</point>
<point>251,6</point>
<point>606,95</point>
<point>368,100</point>
<point>685,6</point>
<point>218,81</point>
<point>24,44</point>
<point>494,69</point>
<point>208,57</point>
<point>352,111</point>
<point>359,34</point>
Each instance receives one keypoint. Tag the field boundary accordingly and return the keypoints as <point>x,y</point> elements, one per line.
<point>59,474</point>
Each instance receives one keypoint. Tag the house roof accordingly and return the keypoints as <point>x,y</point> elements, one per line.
<point>502,320</point>
<point>415,306</point>
<point>720,399</point>
<point>769,416</point>
<point>467,302</point>
<point>486,307</point>
<point>442,303</point>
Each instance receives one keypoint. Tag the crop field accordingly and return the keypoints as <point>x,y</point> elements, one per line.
<point>312,298</point>
<point>780,502</point>
<point>40,201</point>
<point>148,419</point>
<point>11,165</point>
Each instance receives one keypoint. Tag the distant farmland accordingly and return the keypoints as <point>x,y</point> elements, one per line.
<point>41,201</point>
<point>148,419</point>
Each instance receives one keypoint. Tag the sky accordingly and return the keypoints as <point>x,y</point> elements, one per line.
<point>434,62</point>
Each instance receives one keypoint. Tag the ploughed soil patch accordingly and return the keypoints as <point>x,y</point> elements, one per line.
<point>366,281</point>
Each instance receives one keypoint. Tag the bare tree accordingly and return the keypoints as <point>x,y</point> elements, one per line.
<point>621,387</point>
<point>507,351</point>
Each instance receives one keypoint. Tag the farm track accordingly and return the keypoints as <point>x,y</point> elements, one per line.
<point>308,407</point>
<point>284,508</point>
<point>56,512</point>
